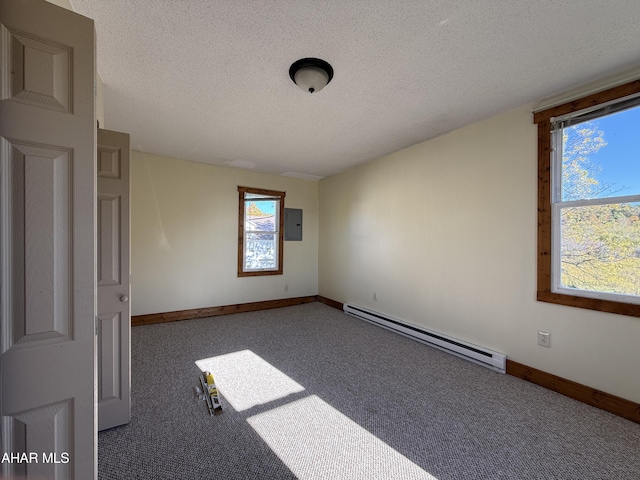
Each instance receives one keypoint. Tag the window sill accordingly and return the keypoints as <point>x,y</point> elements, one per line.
<point>258,273</point>
<point>590,303</point>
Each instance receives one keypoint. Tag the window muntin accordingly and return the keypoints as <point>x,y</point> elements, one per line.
<point>260,232</point>
<point>588,237</point>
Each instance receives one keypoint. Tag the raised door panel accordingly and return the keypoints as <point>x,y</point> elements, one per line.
<point>109,242</point>
<point>40,262</point>
<point>33,432</point>
<point>41,70</point>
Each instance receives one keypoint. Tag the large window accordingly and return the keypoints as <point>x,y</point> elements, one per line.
<point>589,202</point>
<point>260,232</point>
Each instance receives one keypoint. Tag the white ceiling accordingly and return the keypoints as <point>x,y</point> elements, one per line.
<point>208,80</point>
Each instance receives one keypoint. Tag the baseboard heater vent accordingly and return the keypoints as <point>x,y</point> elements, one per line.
<point>473,353</point>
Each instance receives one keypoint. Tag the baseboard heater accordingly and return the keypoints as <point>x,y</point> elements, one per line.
<point>473,353</point>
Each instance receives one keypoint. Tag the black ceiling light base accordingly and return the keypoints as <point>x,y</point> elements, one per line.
<point>311,74</point>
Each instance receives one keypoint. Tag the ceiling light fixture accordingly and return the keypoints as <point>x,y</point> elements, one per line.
<point>311,74</point>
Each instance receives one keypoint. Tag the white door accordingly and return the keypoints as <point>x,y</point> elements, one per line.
<point>47,242</point>
<point>114,313</point>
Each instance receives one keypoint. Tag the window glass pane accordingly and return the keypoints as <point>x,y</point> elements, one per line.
<point>600,248</point>
<point>601,157</point>
<point>260,215</point>
<point>260,251</point>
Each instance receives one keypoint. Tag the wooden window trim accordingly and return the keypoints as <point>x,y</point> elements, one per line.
<point>259,191</point>
<point>544,119</point>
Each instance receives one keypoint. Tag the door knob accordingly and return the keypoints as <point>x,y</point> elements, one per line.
<point>124,298</point>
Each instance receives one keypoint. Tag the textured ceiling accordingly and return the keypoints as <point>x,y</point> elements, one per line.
<point>208,80</point>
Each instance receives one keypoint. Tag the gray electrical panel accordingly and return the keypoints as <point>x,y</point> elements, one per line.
<point>293,224</point>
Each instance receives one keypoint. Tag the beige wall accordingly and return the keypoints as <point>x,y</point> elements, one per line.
<point>184,230</point>
<point>100,101</point>
<point>445,233</point>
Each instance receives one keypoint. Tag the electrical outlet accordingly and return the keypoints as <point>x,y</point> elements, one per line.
<point>375,297</point>
<point>544,339</point>
<point>286,287</point>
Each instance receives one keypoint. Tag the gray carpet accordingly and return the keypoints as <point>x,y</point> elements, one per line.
<point>311,393</point>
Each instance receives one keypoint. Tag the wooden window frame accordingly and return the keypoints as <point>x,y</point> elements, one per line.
<point>242,191</point>
<point>544,119</point>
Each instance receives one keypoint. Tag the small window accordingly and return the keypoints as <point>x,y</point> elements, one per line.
<point>260,231</point>
<point>589,202</point>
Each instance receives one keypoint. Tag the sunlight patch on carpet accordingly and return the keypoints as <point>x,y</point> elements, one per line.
<point>316,441</point>
<point>246,380</point>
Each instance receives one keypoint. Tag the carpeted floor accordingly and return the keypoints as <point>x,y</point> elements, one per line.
<point>311,393</point>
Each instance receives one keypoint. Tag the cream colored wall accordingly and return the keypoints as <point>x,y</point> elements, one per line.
<point>445,233</point>
<point>184,231</point>
<point>100,101</point>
